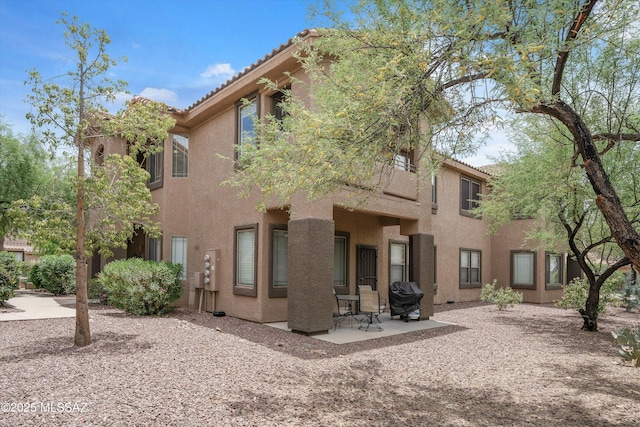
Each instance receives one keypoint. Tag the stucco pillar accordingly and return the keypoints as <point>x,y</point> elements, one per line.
<point>310,277</point>
<point>421,269</point>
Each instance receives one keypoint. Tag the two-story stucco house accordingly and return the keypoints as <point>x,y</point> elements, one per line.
<point>283,265</point>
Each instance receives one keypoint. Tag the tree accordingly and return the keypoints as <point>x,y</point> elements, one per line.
<point>22,169</point>
<point>417,76</point>
<point>72,114</point>
<point>561,201</point>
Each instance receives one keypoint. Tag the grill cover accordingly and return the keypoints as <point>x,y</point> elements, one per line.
<point>404,297</point>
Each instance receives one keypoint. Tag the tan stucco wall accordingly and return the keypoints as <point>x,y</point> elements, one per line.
<point>452,232</point>
<point>510,238</point>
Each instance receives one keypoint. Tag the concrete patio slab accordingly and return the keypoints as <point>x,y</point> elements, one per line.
<point>350,332</point>
<point>33,306</point>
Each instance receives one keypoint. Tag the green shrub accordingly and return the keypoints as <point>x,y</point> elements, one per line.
<point>141,287</point>
<point>575,293</point>
<point>8,276</point>
<point>629,341</point>
<point>34,276</point>
<point>503,297</point>
<point>57,274</point>
<point>24,268</point>
<point>95,291</point>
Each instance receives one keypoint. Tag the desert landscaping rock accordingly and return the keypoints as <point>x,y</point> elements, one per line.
<point>528,366</point>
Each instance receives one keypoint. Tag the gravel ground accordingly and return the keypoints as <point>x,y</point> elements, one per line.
<point>529,366</point>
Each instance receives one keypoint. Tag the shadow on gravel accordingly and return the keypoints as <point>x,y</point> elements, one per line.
<point>363,398</point>
<point>302,346</point>
<point>105,343</point>
<point>561,331</point>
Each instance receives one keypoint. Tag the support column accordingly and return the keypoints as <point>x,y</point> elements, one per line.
<point>310,276</point>
<point>422,268</point>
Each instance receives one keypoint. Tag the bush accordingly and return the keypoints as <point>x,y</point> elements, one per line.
<point>8,276</point>
<point>24,268</point>
<point>503,297</point>
<point>57,274</point>
<point>141,287</point>
<point>34,276</point>
<point>575,293</point>
<point>95,291</point>
<point>629,341</point>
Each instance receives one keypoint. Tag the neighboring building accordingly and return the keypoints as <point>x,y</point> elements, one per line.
<point>281,266</point>
<point>20,248</point>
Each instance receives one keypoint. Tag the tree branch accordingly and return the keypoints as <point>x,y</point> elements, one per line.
<point>563,54</point>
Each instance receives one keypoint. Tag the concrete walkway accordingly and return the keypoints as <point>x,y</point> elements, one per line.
<point>34,305</point>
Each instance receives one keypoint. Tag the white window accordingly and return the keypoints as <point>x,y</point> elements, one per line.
<point>179,253</point>
<point>402,161</point>
<point>523,265</point>
<point>180,156</point>
<point>398,262</point>
<point>246,257</point>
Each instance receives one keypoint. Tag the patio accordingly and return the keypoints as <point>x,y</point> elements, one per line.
<point>348,331</point>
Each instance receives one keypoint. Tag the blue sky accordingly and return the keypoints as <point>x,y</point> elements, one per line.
<point>177,50</point>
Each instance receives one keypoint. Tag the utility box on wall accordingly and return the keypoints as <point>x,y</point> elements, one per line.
<point>211,275</point>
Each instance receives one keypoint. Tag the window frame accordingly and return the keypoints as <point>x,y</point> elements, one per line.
<point>561,269</point>
<point>183,261</point>
<point>243,288</point>
<point>156,179</point>
<point>405,264</point>
<point>512,271</point>
<point>468,284</point>
<point>253,98</point>
<point>154,249</point>
<point>434,193</point>
<point>403,160</point>
<point>346,237</point>
<point>276,291</point>
<point>276,98</point>
<point>176,152</point>
<point>471,202</point>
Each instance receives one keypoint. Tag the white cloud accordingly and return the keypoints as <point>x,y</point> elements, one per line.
<point>161,95</point>
<point>218,71</point>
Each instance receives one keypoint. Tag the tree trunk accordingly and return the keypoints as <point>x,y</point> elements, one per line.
<point>83,334</point>
<point>590,311</point>
<point>627,238</point>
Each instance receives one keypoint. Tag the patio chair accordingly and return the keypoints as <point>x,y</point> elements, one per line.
<point>370,307</point>
<point>344,311</point>
<point>382,303</point>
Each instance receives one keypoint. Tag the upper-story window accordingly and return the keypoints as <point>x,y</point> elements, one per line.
<point>180,156</point>
<point>246,112</point>
<point>470,191</point>
<point>277,111</point>
<point>402,161</point>
<point>100,155</point>
<point>154,167</point>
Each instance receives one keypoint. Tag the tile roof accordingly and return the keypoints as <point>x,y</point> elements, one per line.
<point>270,55</point>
